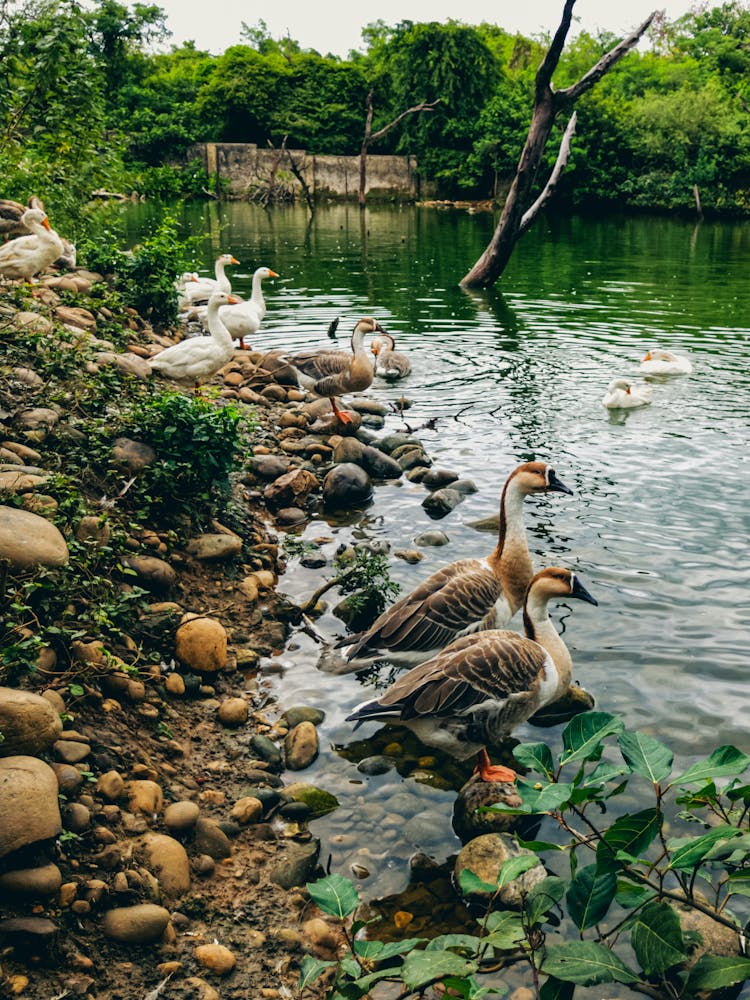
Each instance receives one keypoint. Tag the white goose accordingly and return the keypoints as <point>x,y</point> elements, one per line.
<point>466,596</point>
<point>194,360</point>
<point>481,686</point>
<point>28,255</point>
<point>623,395</point>
<point>244,319</point>
<point>662,362</point>
<point>200,289</point>
<point>389,363</point>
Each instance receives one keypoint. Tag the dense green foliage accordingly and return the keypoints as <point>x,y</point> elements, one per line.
<point>87,101</point>
<point>624,901</point>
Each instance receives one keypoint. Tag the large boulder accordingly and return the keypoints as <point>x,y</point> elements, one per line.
<point>28,722</point>
<point>201,644</point>
<point>29,810</point>
<point>346,485</point>
<point>27,539</point>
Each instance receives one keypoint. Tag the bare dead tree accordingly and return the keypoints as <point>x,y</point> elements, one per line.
<point>518,212</point>
<point>370,137</point>
<point>297,171</point>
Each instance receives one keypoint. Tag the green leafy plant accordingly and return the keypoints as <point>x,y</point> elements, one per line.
<point>626,916</point>
<point>368,583</point>
<point>145,275</point>
<point>195,440</point>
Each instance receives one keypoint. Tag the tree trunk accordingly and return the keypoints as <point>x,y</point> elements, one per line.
<point>517,216</point>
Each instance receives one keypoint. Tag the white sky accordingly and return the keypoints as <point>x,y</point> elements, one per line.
<point>335,26</point>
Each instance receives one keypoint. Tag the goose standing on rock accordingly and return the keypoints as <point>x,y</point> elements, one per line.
<point>333,373</point>
<point>467,596</point>
<point>198,290</point>
<point>661,362</point>
<point>473,693</point>
<point>244,319</point>
<point>389,363</point>
<point>196,359</point>
<point>29,255</point>
<point>623,395</point>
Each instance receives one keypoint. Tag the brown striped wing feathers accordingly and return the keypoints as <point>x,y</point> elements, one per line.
<point>430,616</point>
<point>321,364</point>
<point>489,667</point>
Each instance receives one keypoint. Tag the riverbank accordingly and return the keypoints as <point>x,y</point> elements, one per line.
<point>152,798</point>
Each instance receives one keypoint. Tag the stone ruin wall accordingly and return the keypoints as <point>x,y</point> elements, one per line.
<point>243,166</point>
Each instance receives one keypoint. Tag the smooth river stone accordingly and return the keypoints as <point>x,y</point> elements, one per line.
<point>27,539</point>
<point>29,809</point>
<point>28,722</point>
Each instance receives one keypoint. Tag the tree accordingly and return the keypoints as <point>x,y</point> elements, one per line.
<point>519,212</point>
<point>370,137</point>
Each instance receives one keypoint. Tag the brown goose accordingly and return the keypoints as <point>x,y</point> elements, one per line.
<point>333,373</point>
<point>389,363</point>
<point>480,687</point>
<point>464,597</point>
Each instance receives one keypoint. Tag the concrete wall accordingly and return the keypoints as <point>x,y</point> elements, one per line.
<point>243,167</point>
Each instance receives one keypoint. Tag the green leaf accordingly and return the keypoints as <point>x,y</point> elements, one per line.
<point>657,939</point>
<point>504,930</point>
<point>537,846</point>
<point>461,942</point>
<point>712,972</point>
<point>535,756</point>
<point>422,967</point>
<point>556,989</point>
<point>513,867</point>
<point>584,733</point>
<point>590,895</point>
<point>723,762</point>
<point>739,884</point>
<point>311,970</point>
<point>687,854</point>
<point>542,897</point>
<point>470,883</point>
<point>603,773</point>
<point>630,896</point>
<point>378,951</point>
<point>586,964</point>
<point>630,834</point>
<point>646,755</point>
<point>335,895</point>
<point>541,798</point>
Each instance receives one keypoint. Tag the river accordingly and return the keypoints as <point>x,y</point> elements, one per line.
<point>658,527</point>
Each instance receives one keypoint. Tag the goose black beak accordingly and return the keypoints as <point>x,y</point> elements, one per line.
<point>556,485</point>
<point>581,593</point>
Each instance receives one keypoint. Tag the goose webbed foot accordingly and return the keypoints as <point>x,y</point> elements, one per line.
<point>493,772</point>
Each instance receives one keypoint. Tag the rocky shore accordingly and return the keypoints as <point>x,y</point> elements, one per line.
<point>153,809</point>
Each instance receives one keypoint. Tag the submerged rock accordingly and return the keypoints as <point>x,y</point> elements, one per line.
<point>485,856</point>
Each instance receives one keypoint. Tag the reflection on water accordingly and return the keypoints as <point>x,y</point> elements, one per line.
<point>658,526</point>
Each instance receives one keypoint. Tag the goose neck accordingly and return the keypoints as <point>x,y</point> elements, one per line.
<point>539,627</point>
<point>257,292</point>
<point>216,326</point>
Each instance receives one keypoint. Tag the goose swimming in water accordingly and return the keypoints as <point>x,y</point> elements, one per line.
<point>466,596</point>
<point>662,362</point>
<point>333,373</point>
<point>389,363</point>
<point>473,693</point>
<point>623,395</point>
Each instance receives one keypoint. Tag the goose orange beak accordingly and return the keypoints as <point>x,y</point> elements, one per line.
<point>45,223</point>
<point>233,260</point>
<point>648,356</point>
<point>233,300</point>
<point>272,274</point>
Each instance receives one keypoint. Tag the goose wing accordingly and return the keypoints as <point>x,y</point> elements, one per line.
<point>321,364</point>
<point>451,600</point>
<point>488,668</point>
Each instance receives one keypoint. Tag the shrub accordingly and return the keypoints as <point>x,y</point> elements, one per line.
<point>195,440</point>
